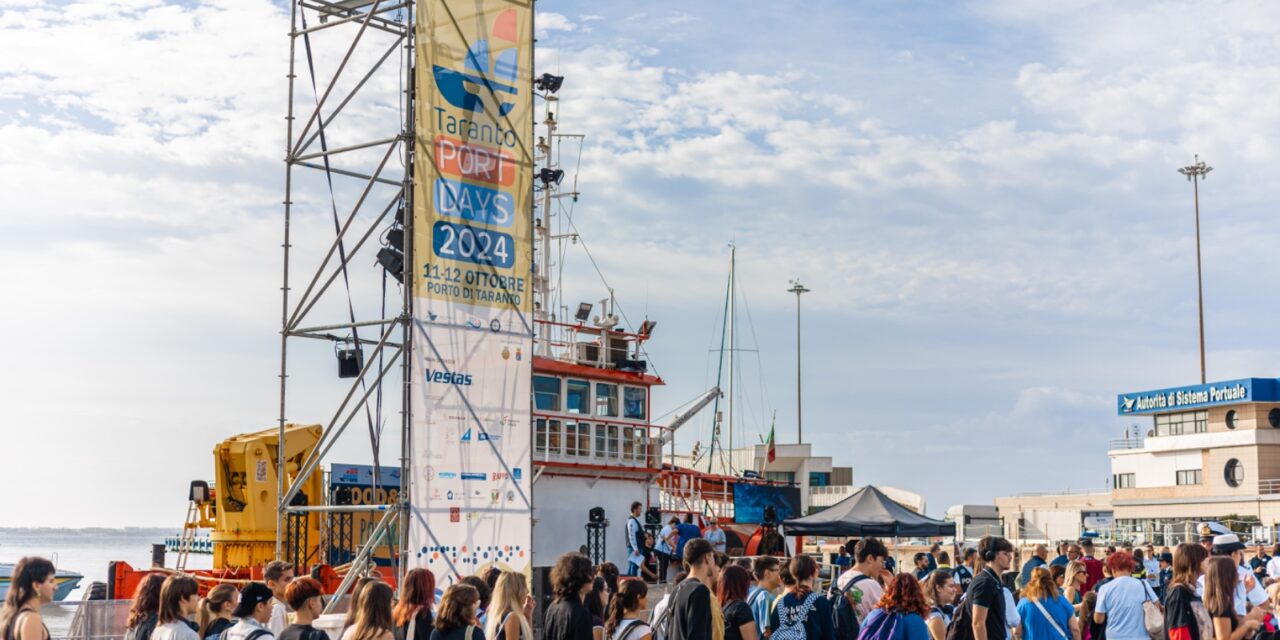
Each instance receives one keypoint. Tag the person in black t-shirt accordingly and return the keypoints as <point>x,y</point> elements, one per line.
<point>691,600</point>
<point>986,594</point>
<point>964,572</point>
<point>458,610</point>
<point>306,597</point>
<point>566,618</point>
<point>731,591</point>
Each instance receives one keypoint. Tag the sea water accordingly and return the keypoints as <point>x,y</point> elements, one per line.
<point>89,552</point>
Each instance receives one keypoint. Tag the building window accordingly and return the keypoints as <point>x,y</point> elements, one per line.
<point>578,398</point>
<point>606,400</point>
<point>781,476</point>
<point>1123,480</point>
<point>1176,424</point>
<point>1231,419</point>
<point>577,439</point>
<point>1233,473</point>
<point>633,403</point>
<point>1189,476</point>
<point>819,479</point>
<point>546,393</point>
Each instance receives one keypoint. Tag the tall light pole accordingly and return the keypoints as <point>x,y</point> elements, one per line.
<point>798,289</point>
<point>1195,173</point>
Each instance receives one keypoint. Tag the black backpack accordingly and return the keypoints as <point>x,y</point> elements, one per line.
<point>961,627</point>
<point>844,619</point>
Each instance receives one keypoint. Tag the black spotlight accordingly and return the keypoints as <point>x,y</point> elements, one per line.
<point>596,515</point>
<point>646,327</point>
<point>653,516</point>
<point>393,262</point>
<point>395,239</point>
<point>349,359</point>
<point>548,176</point>
<point>770,516</point>
<point>584,312</point>
<point>548,83</point>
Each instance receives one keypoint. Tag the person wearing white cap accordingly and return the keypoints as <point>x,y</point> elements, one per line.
<point>1247,588</point>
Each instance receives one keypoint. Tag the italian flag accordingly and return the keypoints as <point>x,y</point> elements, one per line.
<point>773,451</point>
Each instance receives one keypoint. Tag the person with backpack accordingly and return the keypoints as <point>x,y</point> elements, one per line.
<point>254,612</point>
<point>626,612</point>
<point>693,611</point>
<point>459,609</point>
<point>1120,601</point>
<point>768,575</point>
<point>1043,612</point>
<point>660,616</point>
<point>857,591</point>
<point>510,608</point>
<point>801,614</point>
<point>214,616</point>
<point>305,596</point>
<point>939,592</point>
<point>731,592</point>
<point>900,613</point>
<point>146,604</point>
<point>413,616</point>
<point>984,616</point>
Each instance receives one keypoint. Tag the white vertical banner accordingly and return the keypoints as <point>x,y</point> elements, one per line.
<point>471,479</point>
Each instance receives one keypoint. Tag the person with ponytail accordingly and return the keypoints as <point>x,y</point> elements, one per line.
<point>215,611</point>
<point>412,615</point>
<point>626,615</point>
<point>146,604</point>
<point>510,608</point>
<point>1044,613</point>
<point>179,600</point>
<point>801,614</point>
<point>31,585</point>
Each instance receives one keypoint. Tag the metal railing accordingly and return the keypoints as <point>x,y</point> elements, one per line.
<point>1127,443</point>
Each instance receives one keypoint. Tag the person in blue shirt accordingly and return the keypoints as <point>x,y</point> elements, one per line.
<point>685,532</point>
<point>922,566</point>
<point>1037,560</point>
<point>1062,560</point>
<point>844,560</point>
<point>1043,612</point>
<point>767,571</point>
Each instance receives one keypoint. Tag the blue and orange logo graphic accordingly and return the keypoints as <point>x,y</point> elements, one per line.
<point>483,68</point>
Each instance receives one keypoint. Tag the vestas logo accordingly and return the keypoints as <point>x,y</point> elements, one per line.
<point>448,377</point>
<point>495,71</point>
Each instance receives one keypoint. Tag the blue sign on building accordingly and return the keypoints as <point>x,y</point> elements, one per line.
<point>361,475</point>
<point>1199,396</point>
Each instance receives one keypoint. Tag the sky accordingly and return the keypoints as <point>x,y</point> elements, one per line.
<point>982,197</point>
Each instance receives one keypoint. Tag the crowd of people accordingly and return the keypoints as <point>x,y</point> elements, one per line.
<point>1206,591</point>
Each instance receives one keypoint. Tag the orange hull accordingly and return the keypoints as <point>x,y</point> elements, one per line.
<point>123,579</point>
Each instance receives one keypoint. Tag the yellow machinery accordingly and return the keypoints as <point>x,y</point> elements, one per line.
<point>242,509</point>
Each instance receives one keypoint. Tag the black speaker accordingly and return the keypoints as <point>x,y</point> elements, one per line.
<point>770,515</point>
<point>349,361</point>
<point>596,515</point>
<point>542,594</point>
<point>653,516</point>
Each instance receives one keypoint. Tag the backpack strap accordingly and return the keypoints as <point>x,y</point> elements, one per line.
<point>258,633</point>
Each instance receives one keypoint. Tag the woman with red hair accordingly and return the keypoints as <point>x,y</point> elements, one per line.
<point>412,616</point>
<point>1120,601</point>
<point>900,613</point>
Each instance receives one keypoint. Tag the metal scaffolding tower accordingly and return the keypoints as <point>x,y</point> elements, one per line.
<point>348,187</point>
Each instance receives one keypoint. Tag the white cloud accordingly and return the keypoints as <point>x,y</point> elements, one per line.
<point>548,21</point>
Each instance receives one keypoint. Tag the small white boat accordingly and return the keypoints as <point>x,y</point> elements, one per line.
<point>67,580</point>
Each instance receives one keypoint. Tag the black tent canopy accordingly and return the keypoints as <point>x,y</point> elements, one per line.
<point>869,512</point>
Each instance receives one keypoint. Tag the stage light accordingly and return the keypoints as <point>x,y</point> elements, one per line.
<point>395,239</point>
<point>393,262</point>
<point>596,515</point>
<point>349,360</point>
<point>646,327</point>
<point>548,176</point>
<point>549,83</point>
<point>584,312</point>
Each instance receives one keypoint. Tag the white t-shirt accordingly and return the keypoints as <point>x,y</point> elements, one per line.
<point>871,591</point>
<point>279,618</point>
<point>1273,567</point>
<point>174,631</point>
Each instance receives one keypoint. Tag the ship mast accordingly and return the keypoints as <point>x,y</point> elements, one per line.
<point>733,303</point>
<point>542,230</point>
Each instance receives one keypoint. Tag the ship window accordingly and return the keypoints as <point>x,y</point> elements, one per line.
<point>546,393</point>
<point>613,442</point>
<point>601,436</point>
<point>1233,473</point>
<point>628,443</point>
<point>546,436</point>
<point>540,436</point>
<point>578,397</point>
<point>634,405</point>
<point>577,439</point>
<point>606,400</point>
<point>642,444</point>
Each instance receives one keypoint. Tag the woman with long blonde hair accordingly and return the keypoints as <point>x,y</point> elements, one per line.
<point>1073,582</point>
<point>1043,612</point>
<point>509,608</point>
